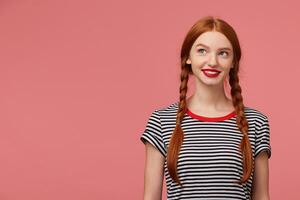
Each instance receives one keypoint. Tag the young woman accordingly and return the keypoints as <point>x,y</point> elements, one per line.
<point>208,146</point>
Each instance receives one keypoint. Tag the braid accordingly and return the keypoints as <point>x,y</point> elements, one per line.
<point>177,136</point>
<point>245,146</point>
<point>203,25</point>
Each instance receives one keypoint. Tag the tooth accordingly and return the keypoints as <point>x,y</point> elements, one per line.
<point>210,72</point>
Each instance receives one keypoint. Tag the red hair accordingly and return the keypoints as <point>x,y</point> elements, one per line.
<point>205,24</point>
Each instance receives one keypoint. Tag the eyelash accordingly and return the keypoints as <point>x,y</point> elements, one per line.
<point>221,51</point>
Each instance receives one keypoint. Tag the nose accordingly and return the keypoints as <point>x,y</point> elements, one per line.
<point>212,61</point>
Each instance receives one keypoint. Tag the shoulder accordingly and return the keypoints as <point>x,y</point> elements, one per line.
<point>255,115</point>
<point>167,110</point>
<point>166,113</point>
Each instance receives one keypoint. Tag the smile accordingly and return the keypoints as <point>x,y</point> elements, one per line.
<point>211,73</point>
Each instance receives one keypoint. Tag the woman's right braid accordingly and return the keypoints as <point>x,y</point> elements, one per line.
<point>178,135</point>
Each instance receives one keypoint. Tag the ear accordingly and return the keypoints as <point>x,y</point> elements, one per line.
<point>188,61</point>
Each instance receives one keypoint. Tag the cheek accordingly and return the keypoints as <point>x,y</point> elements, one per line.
<point>198,62</point>
<point>225,64</point>
<point>197,66</point>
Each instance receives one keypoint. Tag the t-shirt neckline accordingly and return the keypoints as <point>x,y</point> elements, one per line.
<point>210,119</point>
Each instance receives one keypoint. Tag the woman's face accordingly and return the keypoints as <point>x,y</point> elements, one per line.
<point>211,51</point>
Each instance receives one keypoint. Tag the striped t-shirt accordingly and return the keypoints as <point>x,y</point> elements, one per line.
<point>209,162</point>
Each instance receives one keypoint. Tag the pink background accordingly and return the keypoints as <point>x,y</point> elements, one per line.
<point>79,79</point>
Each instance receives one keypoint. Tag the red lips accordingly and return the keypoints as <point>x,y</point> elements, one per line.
<point>214,75</point>
<point>212,70</point>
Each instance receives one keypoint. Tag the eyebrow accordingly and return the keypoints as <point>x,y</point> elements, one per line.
<point>223,48</point>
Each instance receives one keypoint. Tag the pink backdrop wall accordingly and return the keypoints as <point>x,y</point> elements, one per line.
<point>78,80</point>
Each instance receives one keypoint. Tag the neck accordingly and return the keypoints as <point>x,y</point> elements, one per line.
<point>208,98</point>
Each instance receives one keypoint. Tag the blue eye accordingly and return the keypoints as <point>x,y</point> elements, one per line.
<point>201,50</point>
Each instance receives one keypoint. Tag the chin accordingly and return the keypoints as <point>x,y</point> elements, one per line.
<point>213,84</point>
<point>211,81</point>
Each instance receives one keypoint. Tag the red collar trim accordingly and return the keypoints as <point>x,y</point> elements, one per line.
<point>210,119</point>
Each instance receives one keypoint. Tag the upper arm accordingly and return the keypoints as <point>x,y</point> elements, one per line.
<point>154,173</point>
<point>260,186</point>
<point>262,153</point>
<point>156,152</point>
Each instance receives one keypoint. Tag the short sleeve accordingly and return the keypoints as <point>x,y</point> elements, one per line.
<point>153,133</point>
<point>262,142</point>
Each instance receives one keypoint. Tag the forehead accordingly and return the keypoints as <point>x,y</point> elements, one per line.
<point>214,40</point>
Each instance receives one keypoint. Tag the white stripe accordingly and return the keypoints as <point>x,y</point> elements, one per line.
<point>209,162</point>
